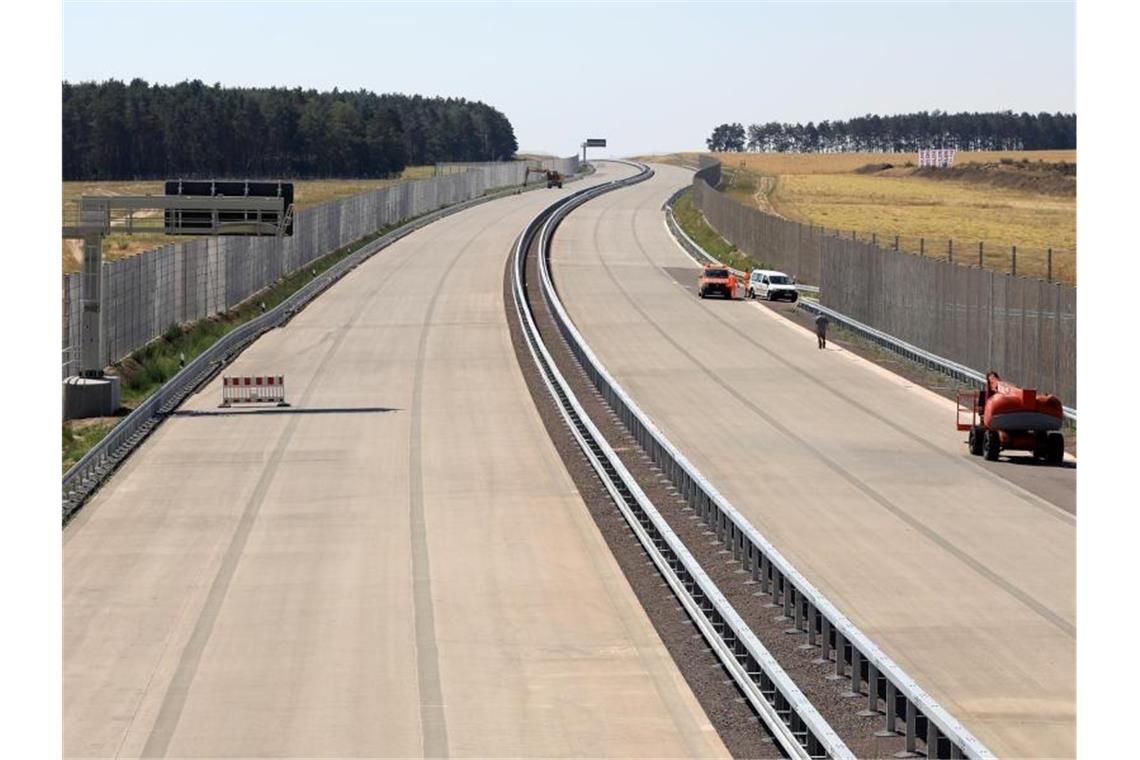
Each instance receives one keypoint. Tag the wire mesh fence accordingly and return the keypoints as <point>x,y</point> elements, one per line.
<point>1021,325</point>
<point>146,294</point>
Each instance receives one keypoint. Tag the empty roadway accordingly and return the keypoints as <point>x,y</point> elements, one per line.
<point>964,578</point>
<point>396,565</point>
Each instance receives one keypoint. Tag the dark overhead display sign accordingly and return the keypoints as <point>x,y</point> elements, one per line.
<point>595,142</point>
<point>234,222</point>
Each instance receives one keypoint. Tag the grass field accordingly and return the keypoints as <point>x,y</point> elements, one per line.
<point>307,193</point>
<point>833,163</point>
<point>1000,202</point>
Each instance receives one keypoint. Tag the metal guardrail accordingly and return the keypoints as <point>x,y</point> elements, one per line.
<point>794,722</point>
<point>889,342</point>
<point>86,475</point>
<point>700,254</point>
<point>907,350</point>
<point>889,691</point>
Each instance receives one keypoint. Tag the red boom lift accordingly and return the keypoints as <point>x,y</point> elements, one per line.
<point>1003,416</point>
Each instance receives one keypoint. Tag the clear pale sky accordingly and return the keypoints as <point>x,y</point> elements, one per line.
<point>649,77</point>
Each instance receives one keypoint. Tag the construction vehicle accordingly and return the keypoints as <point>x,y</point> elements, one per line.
<point>1002,417</point>
<point>716,278</point>
<point>553,178</point>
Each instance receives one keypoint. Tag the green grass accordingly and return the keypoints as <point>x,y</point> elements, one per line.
<point>693,222</point>
<point>78,440</point>
<point>144,371</point>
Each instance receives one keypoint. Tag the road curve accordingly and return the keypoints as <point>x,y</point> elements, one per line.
<point>397,565</point>
<point>964,578</point>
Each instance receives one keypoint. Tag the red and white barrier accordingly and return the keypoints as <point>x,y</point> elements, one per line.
<point>256,389</point>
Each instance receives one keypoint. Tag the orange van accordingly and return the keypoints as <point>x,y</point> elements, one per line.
<point>717,280</point>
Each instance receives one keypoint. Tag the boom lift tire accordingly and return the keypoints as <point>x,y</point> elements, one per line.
<point>991,445</point>
<point>976,440</point>
<point>1055,448</point>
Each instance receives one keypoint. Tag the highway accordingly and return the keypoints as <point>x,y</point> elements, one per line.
<point>396,565</point>
<point>963,577</point>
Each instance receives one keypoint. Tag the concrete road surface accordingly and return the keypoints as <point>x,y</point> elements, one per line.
<point>963,577</point>
<point>397,565</point>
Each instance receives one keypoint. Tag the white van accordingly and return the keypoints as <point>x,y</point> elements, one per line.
<point>772,286</point>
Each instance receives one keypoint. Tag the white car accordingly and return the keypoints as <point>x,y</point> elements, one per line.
<point>772,286</point>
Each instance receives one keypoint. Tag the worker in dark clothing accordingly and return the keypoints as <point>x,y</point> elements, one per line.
<point>821,330</point>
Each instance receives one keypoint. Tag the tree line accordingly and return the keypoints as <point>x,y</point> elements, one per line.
<point>904,133</point>
<point>114,130</point>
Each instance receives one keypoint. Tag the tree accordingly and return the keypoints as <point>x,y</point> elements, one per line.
<point>190,129</point>
<point>727,137</point>
<point>906,132</point>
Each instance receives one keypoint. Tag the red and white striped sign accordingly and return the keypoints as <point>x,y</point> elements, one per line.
<point>253,389</point>
<point>941,157</point>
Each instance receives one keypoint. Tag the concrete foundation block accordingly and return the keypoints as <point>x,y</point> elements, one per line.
<point>90,397</point>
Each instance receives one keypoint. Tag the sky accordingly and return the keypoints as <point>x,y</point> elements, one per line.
<point>649,77</point>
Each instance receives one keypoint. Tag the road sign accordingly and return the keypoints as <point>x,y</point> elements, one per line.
<point>595,142</point>
<point>243,221</point>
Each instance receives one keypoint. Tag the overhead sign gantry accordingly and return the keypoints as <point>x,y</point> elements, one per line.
<point>592,142</point>
<point>190,207</point>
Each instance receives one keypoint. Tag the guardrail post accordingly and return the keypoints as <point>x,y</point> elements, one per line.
<point>931,739</point>
<point>824,640</point>
<point>856,672</point>
<point>799,613</point>
<point>775,589</point>
<point>872,691</point>
<point>787,596</point>
<point>891,705</point>
<point>839,657</point>
<point>911,726</point>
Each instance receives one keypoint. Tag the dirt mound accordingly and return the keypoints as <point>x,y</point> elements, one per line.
<point>1045,178</point>
<point>873,168</point>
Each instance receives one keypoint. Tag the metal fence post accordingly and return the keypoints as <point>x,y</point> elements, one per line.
<point>922,246</point>
<point>981,259</point>
<point>896,242</point>
<point>1013,260</point>
<point>1049,265</point>
<point>950,250</point>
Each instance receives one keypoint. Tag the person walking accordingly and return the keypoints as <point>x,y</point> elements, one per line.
<point>821,329</point>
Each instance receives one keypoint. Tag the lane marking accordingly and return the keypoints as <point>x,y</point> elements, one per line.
<point>974,564</point>
<point>177,692</point>
<point>956,459</point>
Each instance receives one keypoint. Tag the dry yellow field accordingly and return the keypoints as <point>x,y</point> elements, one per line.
<point>925,214</point>
<point>831,163</point>
<point>307,193</point>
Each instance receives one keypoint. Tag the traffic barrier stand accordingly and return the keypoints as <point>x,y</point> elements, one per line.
<point>255,389</point>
